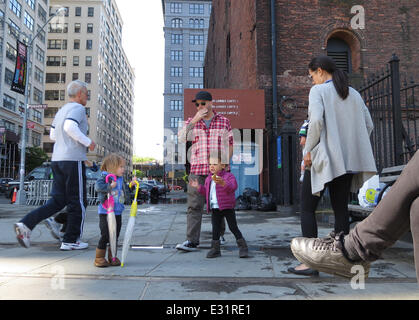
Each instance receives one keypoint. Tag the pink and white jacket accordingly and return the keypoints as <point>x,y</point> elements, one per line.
<point>225,195</point>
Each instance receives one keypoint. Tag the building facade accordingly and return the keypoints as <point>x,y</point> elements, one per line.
<point>86,44</point>
<point>186,32</point>
<point>20,19</point>
<point>360,35</point>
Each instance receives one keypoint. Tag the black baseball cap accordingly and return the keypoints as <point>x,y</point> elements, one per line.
<point>203,95</point>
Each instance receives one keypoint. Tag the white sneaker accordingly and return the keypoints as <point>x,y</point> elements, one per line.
<point>187,246</point>
<point>23,233</point>
<point>74,246</point>
<point>54,227</point>
<point>222,240</point>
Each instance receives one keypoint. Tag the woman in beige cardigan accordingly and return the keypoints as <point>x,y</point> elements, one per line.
<point>338,152</point>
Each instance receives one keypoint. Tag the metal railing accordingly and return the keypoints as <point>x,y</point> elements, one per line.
<point>39,192</point>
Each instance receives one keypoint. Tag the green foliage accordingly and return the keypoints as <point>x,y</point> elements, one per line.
<point>139,174</point>
<point>136,159</point>
<point>35,157</point>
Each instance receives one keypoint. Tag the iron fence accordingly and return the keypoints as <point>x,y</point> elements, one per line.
<point>39,192</point>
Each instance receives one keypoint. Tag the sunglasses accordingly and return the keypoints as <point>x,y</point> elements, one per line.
<point>202,104</point>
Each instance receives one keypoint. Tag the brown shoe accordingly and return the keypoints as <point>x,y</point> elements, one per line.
<point>113,261</point>
<point>215,249</point>
<point>100,260</point>
<point>243,249</point>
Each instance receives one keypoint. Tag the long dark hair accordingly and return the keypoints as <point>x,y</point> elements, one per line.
<point>340,78</point>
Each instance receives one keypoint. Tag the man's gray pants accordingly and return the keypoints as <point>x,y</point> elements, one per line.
<point>396,213</point>
<point>196,202</point>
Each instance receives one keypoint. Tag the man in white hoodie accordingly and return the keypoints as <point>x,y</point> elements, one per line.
<point>68,130</point>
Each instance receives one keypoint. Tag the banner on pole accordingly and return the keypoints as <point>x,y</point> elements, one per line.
<point>19,78</point>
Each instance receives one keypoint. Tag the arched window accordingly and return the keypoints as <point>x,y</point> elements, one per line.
<point>340,52</point>
<point>177,23</point>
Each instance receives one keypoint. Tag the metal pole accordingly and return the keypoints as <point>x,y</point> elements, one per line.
<point>21,194</point>
<point>397,112</point>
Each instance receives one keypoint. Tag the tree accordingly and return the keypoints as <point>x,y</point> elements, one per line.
<point>136,159</point>
<point>35,157</point>
<point>139,174</point>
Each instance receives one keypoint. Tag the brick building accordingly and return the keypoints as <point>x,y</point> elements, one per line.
<point>360,35</point>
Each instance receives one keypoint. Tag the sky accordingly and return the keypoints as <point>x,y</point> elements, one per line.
<point>143,42</point>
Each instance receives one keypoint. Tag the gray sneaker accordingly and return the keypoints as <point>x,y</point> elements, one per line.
<point>326,255</point>
<point>54,227</point>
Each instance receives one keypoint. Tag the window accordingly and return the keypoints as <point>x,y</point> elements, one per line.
<point>177,38</point>
<point>55,78</point>
<point>28,20</point>
<point>90,12</point>
<point>39,75</point>
<point>50,112</point>
<point>11,52</point>
<point>196,39</point>
<point>88,77</point>
<point>58,27</point>
<point>37,115</point>
<point>54,95</point>
<point>78,11</point>
<point>63,61</point>
<point>42,14</point>
<point>31,3</point>
<point>16,7</point>
<point>90,28</point>
<point>76,61</point>
<point>75,76</point>
<point>8,76</point>
<point>196,55</point>
<point>176,55</point>
<point>196,86</point>
<point>37,96</point>
<point>176,71</point>
<point>196,72</point>
<point>53,61</point>
<point>76,44</point>
<point>176,105</point>
<point>14,30</point>
<point>89,44</point>
<point>36,139</point>
<point>176,88</point>
<point>42,36</point>
<point>40,54</point>
<point>175,7</point>
<point>88,61</point>
<point>54,44</point>
<point>77,28</point>
<point>196,9</point>
<point>9,102</point>
<point>340,52</point>
<point>177,23</point>
<point>174,122</point>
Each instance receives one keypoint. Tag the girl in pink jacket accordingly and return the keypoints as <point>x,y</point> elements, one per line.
<point>219,190</point>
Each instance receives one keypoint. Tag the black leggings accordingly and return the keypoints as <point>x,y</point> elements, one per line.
<point>217,218</point>
<point>339,189</point>
<point>104,232</point>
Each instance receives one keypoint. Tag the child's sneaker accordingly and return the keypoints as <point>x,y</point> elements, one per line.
<point>54,227</point>
<point>187,246</point>
<point>74,246</point>
<point>23,233</point>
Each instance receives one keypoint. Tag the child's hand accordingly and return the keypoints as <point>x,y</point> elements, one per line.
<point>220,181</point>
<point>194,183</point>
<point>113,184</point>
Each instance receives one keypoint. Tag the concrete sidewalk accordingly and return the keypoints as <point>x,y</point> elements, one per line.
<point>156,270</point>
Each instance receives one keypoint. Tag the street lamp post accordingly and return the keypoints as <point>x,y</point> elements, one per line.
<point>21,195</point>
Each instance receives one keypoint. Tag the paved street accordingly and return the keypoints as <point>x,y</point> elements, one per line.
<point>156,270</point>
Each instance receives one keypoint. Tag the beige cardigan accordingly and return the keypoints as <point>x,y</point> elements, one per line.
<point>338,137</point>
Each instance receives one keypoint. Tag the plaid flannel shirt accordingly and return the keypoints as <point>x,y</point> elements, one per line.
<point>219,136</point>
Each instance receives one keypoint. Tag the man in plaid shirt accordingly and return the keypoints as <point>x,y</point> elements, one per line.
<point>210,133</point>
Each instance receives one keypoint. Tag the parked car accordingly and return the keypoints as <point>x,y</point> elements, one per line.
<point>4,184</point>
<point>160,186</point>
<point>174,187</point>
<point>43,172</point>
